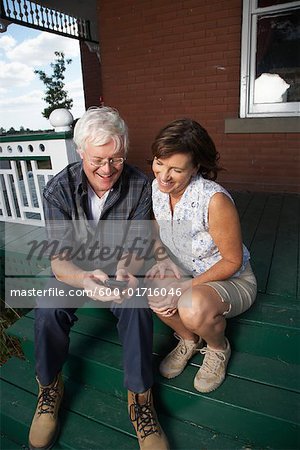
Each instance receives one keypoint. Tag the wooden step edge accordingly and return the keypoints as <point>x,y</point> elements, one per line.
<point>70,437</point>
<point>77,400</point>
<point>110,367</point>
<point>260,369</point>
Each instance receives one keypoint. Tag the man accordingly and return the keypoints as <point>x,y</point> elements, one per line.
<point>99,190</point>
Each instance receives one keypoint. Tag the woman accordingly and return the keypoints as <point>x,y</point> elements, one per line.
<point>207,275</point>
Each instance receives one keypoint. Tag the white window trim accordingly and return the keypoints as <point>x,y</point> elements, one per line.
<point>248,58</point>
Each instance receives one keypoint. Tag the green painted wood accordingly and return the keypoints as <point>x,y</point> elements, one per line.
<point>284,265</point>
<point>111,411</point>
<point>251,217</point>
<point>37,137</point>
<point>265,341</point>
<point>19,237</point>
<point>16,414</point>
<point>271,315</point>
<point>279,301</point>
<point>16,232</point>
<point>263,331</point>
<point>265,370</point>
<point>25,158</point>
<point>240,400</point>
<point>285,375</point>
<point>262,247</point>
<point>298,281</point>
<point>7,444</point>
<point>264,426</point>
<point>242,201</point>
<point>258,369</point>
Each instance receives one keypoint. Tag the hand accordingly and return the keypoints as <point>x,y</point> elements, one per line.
<point>167,313</point>
<point>167,306</point>
<point>161,267</point>
<point>95,289</point>
<point>124,275</point>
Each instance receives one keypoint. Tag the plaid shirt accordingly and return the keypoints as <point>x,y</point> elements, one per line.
<point>124,218</point>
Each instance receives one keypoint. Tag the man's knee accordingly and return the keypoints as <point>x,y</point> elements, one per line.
<point>49,317</point>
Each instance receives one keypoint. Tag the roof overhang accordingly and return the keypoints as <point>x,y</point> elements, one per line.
<point>77,20</point>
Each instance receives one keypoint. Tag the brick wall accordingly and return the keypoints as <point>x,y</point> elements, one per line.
<point>91,74</point>
<point>164,59</point>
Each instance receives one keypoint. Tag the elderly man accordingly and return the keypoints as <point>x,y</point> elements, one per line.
<point>100,189</point>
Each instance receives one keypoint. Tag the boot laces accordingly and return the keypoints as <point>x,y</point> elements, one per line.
<point>47,400</point>
<point>213,359</point>
<point>146,422</point>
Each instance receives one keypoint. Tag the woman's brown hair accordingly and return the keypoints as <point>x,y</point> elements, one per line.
<point>189,137</point>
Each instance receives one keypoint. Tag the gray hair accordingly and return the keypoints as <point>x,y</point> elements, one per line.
<point>99,125</point>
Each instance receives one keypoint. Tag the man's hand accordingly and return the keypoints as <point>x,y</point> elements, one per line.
<point>93,284</point>
<point>132,282</point>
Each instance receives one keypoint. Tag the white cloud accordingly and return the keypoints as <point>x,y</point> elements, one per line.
<point>75,88</point>
<point>21,92</point>
<point>22,101</point>
<point>15,74</point>
<point>7,42</point>
<point>40,50</point>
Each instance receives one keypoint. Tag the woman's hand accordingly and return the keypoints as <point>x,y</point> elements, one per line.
<point>167,306</point>
<point>160,269</point>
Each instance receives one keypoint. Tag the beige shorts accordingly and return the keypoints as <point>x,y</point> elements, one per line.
<point>239,292</point>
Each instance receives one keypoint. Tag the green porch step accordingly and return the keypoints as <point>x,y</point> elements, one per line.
<point>253,411</point>
<point>265,370</point>
<point>16,413</point>
<point>268,330</point>
<point>274,372</point>
<point>107,416</point>
<point>7,444</point>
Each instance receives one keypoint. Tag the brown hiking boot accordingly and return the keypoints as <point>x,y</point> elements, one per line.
<point>143,417</point>
<point>44,428</point>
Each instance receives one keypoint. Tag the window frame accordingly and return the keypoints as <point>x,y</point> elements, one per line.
<point>248,60</point>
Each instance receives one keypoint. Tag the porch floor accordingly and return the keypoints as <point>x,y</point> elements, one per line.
<point>258,405</point>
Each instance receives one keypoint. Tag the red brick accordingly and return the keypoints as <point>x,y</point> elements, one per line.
<point>162,60</point>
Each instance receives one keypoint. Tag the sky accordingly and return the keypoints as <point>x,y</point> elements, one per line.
<point>22,50</point>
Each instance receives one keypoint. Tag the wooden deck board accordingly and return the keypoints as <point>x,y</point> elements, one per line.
<point>284,265</point>
<point>242,201</point>
<point>252,216</point>
<point>262,245</point>
<point>260,396</point>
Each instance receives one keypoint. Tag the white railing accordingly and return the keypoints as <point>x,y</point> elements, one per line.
<point>26,164</point>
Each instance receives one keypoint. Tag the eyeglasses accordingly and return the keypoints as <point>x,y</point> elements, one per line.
<point>101,162</point>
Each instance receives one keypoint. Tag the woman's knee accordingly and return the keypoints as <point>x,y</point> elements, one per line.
<point>197,308</point>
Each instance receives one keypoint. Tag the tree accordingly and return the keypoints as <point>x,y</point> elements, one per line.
<point>56,95</point>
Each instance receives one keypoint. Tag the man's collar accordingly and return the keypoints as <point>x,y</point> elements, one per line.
<point>82,184</point>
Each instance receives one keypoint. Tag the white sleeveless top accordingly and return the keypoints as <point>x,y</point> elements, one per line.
<point>186,233</point>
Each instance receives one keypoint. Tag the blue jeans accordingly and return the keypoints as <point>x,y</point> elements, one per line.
<point>135,329</point>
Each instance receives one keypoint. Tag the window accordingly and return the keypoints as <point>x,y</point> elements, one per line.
<point>270,59</point>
